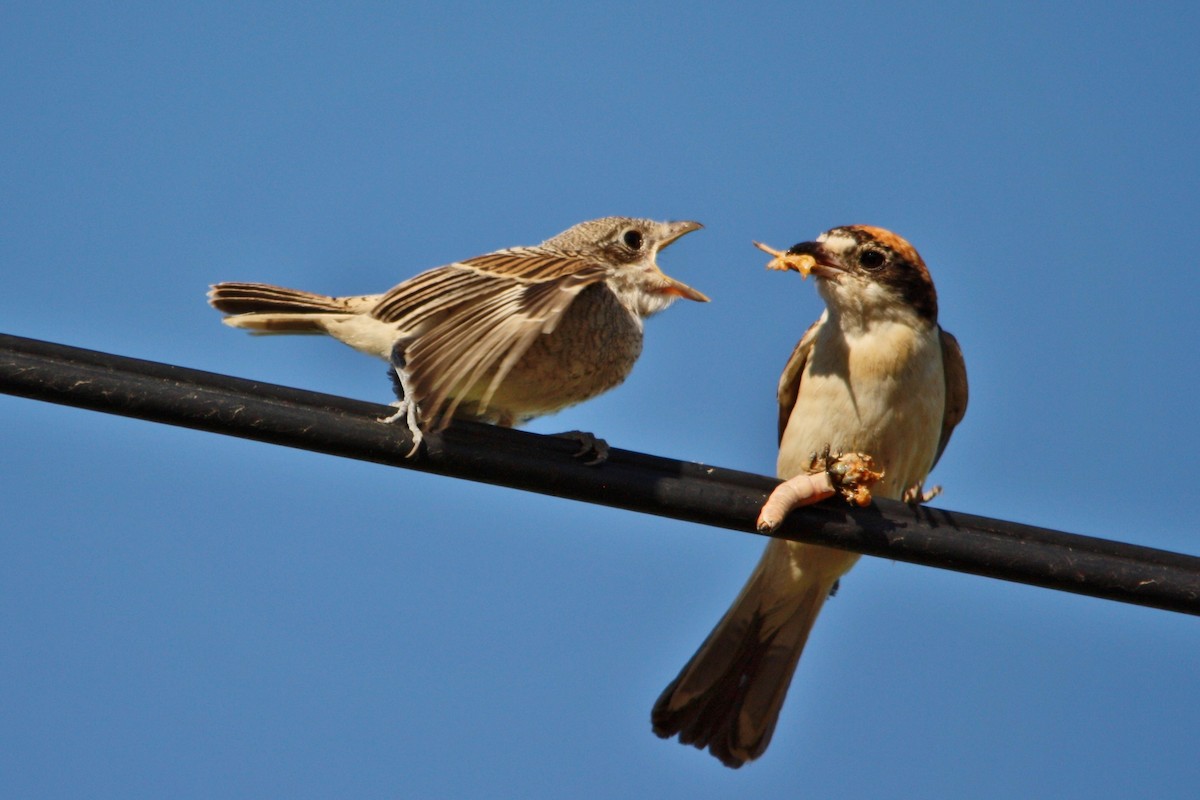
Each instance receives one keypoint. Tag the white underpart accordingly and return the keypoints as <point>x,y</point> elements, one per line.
<point>364,333</point>
<point>640,289</point>
<point>885,398</point>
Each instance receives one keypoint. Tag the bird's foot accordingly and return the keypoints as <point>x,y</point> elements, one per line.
<point>406,409</point>
<point>917,495</point>
<point>848,474</point>
<point>591,447</point>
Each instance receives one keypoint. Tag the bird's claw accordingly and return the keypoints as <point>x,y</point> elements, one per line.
<point>918,495</point>
<point>591,447</point>
<point>407,411</point>
<point>406,407</point>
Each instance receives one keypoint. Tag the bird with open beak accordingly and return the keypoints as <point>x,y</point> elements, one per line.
<point>502,337</point>
<point>875,376</point>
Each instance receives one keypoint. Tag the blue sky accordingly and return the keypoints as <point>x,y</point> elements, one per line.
<point>189,615</point>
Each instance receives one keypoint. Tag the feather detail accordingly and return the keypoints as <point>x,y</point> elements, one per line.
<point>481,332</point>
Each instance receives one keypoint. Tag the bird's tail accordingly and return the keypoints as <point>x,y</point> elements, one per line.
<point>263,308</point>
<point>728,696</point>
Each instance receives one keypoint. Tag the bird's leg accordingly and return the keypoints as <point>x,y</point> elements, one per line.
<point>849,474</point>
<point>591,446</point>
<point>406,406</point>
<point>407,410</point>
<point>917,495</point>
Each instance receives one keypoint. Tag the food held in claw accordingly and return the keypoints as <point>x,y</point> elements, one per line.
<point>850,474</point>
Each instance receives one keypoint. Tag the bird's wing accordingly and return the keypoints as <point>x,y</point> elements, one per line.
<point>956,389</point>
<point>476,318</point>
<point>789,381</point>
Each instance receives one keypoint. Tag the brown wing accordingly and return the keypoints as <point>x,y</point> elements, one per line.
<point>956,389</point>
<point>429,294</point>
<point>789,381</point>
<point>474,319</point>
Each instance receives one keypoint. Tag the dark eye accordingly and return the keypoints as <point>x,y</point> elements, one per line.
<point>871,259</point>
<point>633,240</point>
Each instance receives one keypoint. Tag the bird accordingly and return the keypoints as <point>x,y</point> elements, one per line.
<point>502,337</point>
<point>875,374</point>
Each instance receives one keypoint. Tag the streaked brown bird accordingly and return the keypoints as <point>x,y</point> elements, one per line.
<point>875,375</point>
<point>502,337</point>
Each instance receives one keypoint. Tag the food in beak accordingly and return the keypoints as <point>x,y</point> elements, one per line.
<point>782,260</point>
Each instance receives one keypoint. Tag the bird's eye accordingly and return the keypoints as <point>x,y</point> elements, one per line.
<point>633,240</point>
<point>871,259</point>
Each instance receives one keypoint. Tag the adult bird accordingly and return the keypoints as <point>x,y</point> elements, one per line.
<point>876,375</point>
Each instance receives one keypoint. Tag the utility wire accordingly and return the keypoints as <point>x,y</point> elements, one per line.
<point>635,481</point>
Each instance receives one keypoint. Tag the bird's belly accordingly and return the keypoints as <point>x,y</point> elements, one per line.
<point>591,351</point>
<point>889,408</point>
<point>362,332</point>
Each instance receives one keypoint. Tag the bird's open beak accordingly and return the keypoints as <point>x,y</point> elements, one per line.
<point>681,289</point>
<point>677,229</point>
<point>670,285</point>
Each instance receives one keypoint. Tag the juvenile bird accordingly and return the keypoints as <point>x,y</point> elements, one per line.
<point>875,375</point>
<point>502,337</point>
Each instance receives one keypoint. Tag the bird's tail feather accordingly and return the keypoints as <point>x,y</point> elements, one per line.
<point>263,308</point>
<point>728,696</point>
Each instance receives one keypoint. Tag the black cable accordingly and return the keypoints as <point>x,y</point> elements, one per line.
<point>635,481</point>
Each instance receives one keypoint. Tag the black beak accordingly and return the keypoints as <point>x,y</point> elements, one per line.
<point>826,265</point>
<point>813,249</point>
